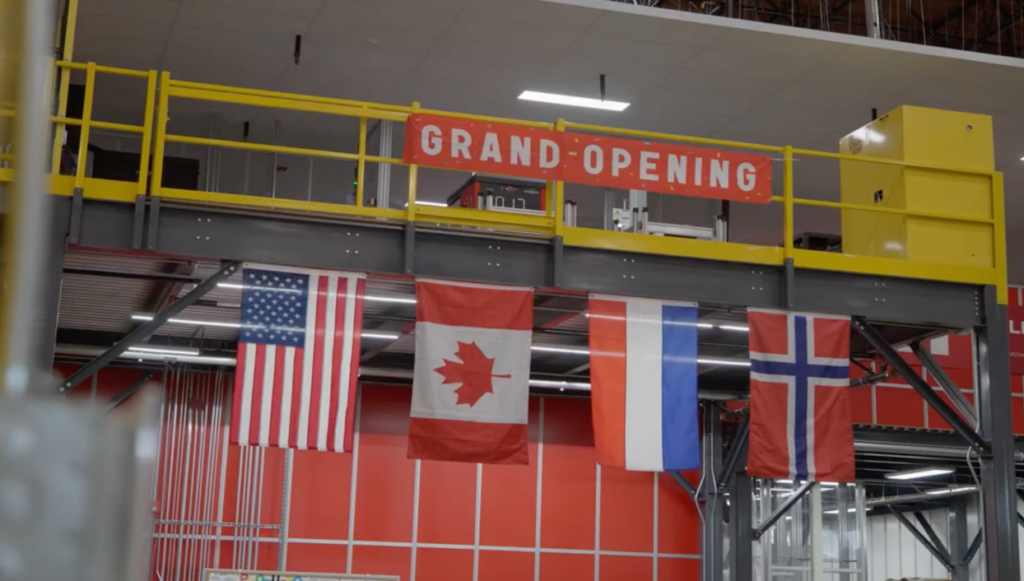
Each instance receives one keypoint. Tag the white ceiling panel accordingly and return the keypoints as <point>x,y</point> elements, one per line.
<point>621,51</point>
<point>537,36</point>
<point>390,40</point>
<point>948,93</point>
<point>654,28</point>
<point>769,42</point>
<point>717,92</point>
<point>290,8</point>
<point>523,60</point>
<point>252,22</point>
<point>125,27</point>
<point>258,45</point>
<point>576,75</point>
<point>754,65</point>
<point>118,52</point>
<point>423,18</point>
<point>155,10</point>
<point>499,13</point>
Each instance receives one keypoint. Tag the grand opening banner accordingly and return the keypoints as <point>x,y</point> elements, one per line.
<point>544,154</point>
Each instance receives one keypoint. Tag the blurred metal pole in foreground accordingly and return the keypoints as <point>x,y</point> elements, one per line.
<point>26,41</point>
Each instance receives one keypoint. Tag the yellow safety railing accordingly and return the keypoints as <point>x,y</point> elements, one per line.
<point>162,91</point>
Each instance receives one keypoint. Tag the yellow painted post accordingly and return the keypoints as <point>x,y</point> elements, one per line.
<point>147,133</point>
<point>361,164</point>
<point>559,198</point>
<point>83,139</point>
<point>787,202</point>
<point>161,134</point>
<point>999,237</point>
<point>411,196</point>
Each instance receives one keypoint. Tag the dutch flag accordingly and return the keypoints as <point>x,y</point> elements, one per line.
<point>643,359</point>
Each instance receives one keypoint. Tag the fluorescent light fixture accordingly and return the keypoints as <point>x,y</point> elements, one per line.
<point>165,350</point>
<point>938,491</point>
<point>435,204</point>
<point>391,336</point>
<point>733,362</point>
<point>740,328</point>
<point>559,350</point>
<point>563,385</point>
<point>140,356</point>
<point>191,322</point>
<point>572,101</point>
<point>918,473</point>
<point>836,511</point>
<point>230,285</point>
<point>400,300</point>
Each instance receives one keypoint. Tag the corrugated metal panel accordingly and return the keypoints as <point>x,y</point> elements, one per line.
<point>101,303</point>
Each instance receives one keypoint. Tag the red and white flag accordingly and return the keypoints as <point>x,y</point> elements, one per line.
<point>470,392</point>
<point>298,358</point>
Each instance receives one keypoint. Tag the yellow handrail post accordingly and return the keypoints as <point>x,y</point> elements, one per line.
<point>411,195</point>
<point>83,138</point>
<point>999,237</point>
<point>147,133</point>
<point>361,164</point>
<point>559,198</point>
<point>787,202</point>
<point>161,134</point>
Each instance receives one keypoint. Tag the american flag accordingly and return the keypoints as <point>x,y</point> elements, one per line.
<point>298,358</point>
<point>800,422</point>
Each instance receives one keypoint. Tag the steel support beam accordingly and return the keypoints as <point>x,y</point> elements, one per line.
<point>687,486</point>
<point>712,547</point>
<point>932,536</point>
<point>782,509</point>
<point>874,18</point>
<point>737,451</point>
<point>879,344</point>
<point>973,549</point>
<point>951,390</point>
<point>998,477</point>
<point>958,536</point>
<point>143,331</point>
<point>741,538</point>
<point>129,391</point>
<point>940,556</point>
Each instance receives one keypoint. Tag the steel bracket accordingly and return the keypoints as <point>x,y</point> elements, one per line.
<point>940,554</point>
<point>738,449</point>
<point>139,222</point>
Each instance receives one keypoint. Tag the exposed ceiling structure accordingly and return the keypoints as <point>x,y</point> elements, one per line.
<point>987,26</point>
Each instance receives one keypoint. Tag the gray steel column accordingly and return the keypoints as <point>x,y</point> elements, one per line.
<point>741,537</point>
<point>53,274</point>
<point>713,535</point>
<point>998,479</point>
<point>959,539</point>
<point>874,18</point>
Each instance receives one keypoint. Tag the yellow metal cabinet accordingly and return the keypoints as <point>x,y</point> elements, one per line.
<point>924,136</point>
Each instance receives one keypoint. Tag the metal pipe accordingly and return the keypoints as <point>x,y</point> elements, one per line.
<point>920,385</point>
<point>262,452</point>
<point>200,480</point>
<point>783,509</point>
<point>309,181</point>
<point>384,169</point>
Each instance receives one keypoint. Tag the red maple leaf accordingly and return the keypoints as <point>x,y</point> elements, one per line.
<point>474,372</point>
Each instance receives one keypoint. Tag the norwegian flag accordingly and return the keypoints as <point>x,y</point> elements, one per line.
<point>800,422</point>
<point>298,358</point>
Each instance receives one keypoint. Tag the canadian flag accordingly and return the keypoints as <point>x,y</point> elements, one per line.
<point>470,391</point>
